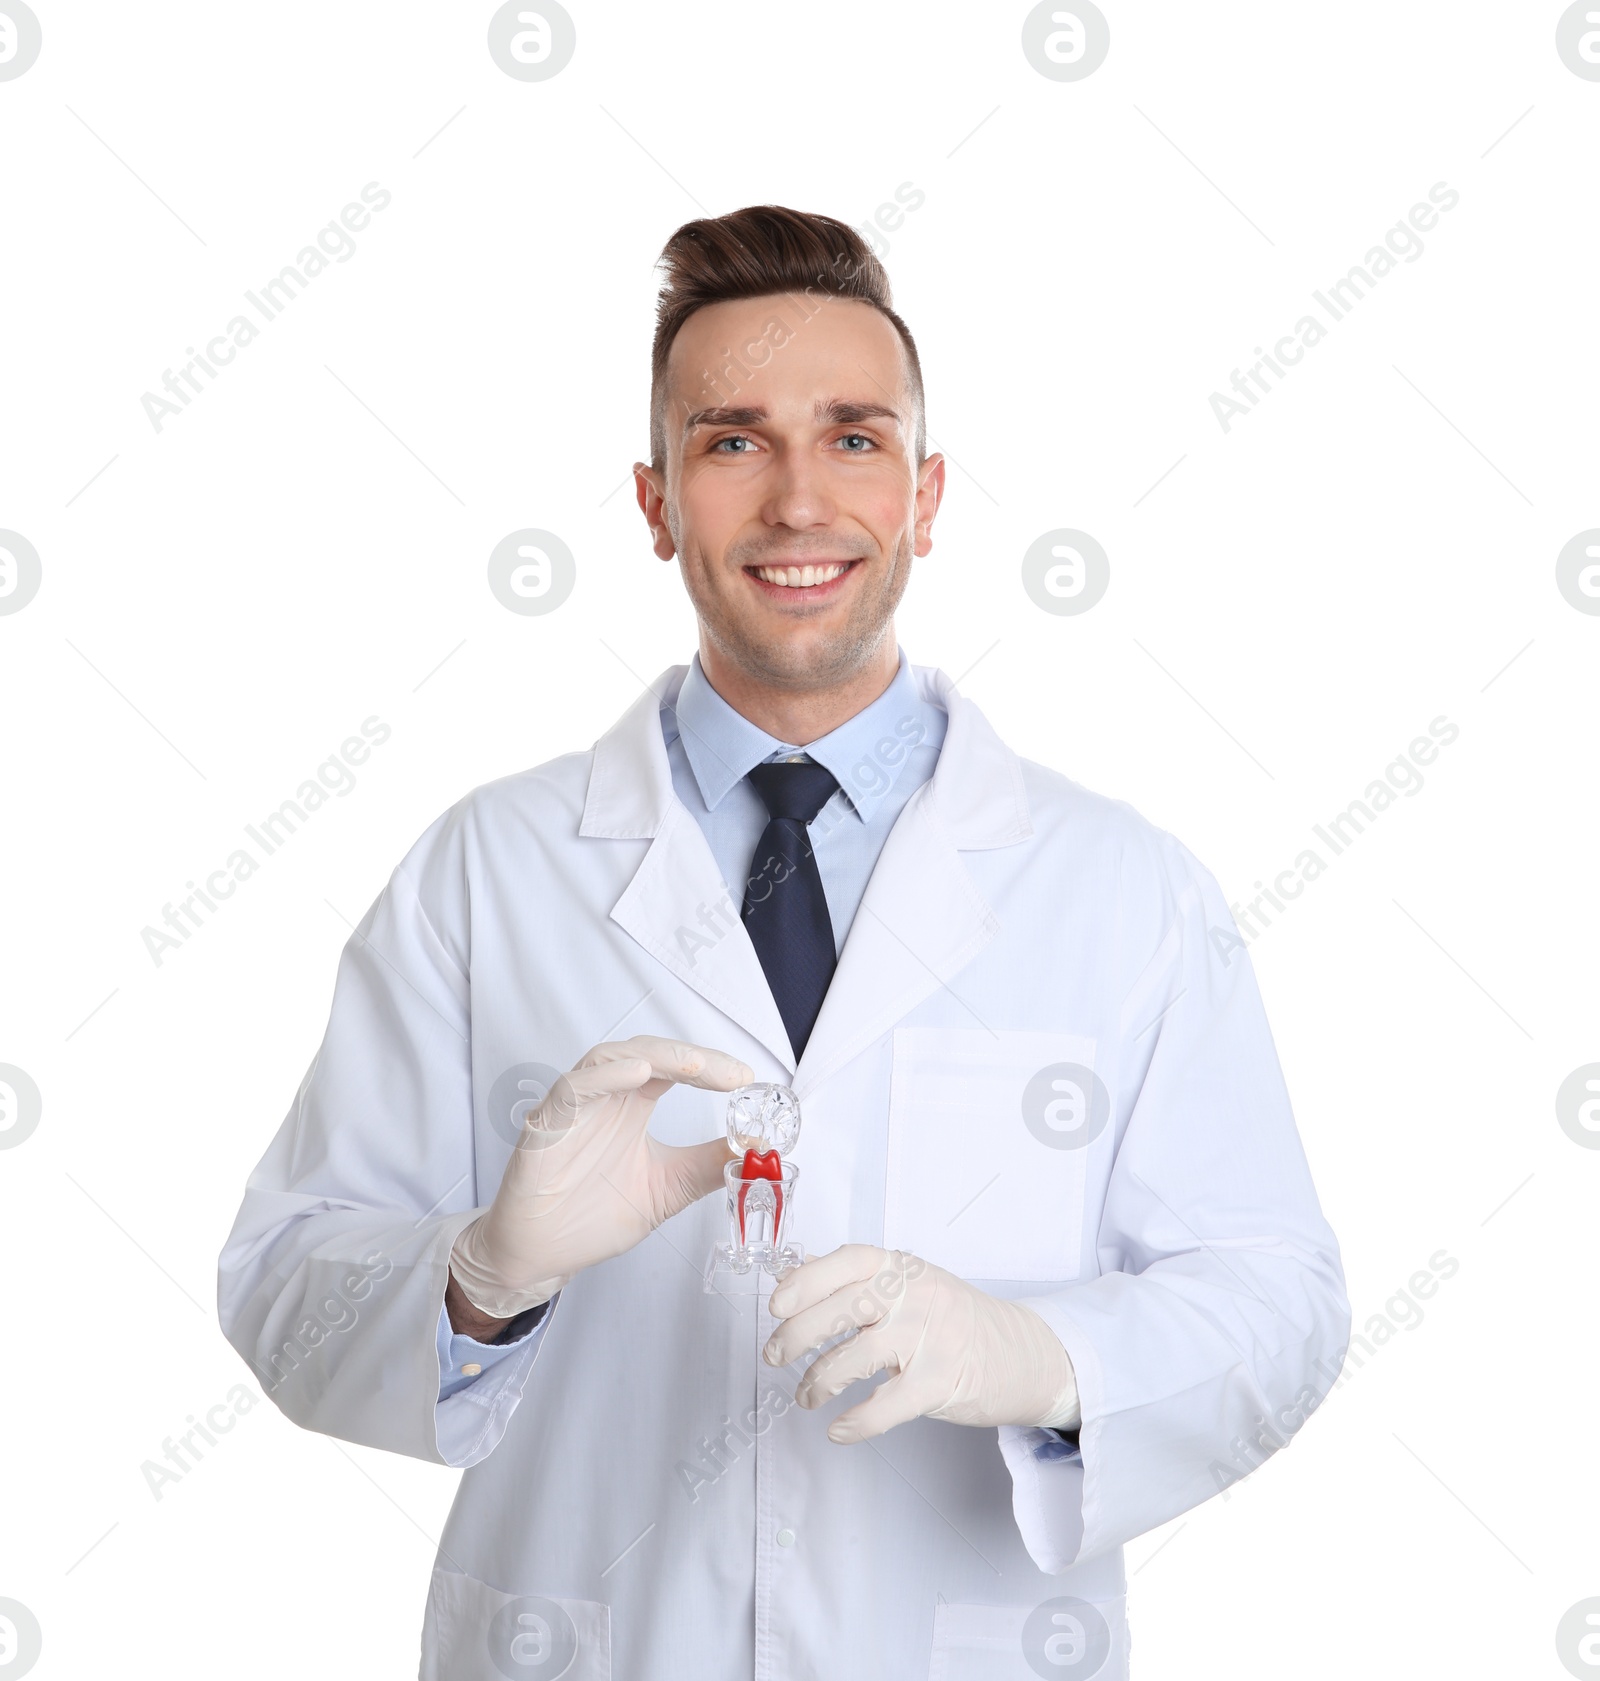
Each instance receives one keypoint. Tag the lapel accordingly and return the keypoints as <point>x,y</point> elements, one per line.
<point>921,921</point>
<point>677,906</point>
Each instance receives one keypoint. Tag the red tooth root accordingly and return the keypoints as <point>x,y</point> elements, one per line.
<point>768,1166</point>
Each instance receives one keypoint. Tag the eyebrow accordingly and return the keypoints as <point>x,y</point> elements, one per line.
<point>832,412</point>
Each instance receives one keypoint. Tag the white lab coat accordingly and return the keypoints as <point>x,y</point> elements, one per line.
<point>1014,922</point>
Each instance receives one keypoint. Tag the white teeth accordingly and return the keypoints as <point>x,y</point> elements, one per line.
<point>801,577</point>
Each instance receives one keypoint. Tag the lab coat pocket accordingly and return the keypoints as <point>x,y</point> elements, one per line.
<point>989,1138</point>
<point>1073,1639</point>
<point>474,1632</point>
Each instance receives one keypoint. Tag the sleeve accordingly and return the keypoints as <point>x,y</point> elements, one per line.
<point>480,1381</point>
<point>331,1284</point>
<point>1219,1321</point>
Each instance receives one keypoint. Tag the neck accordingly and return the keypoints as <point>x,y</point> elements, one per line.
<point>800,715</point>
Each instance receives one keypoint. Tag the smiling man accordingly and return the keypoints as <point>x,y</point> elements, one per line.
<point>1052,1187</point>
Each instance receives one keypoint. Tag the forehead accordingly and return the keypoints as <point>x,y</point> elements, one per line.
<point>794,348</point>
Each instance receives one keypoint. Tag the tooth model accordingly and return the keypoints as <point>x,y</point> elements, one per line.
<point>764,1123</point>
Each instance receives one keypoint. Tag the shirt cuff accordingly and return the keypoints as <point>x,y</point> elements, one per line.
<point>463,1360</point>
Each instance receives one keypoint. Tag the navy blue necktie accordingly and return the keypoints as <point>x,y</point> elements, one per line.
<point>784,908</point>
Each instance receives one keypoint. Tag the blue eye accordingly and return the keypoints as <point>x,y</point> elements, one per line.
<point>733,440</point>
<point>859,435</point>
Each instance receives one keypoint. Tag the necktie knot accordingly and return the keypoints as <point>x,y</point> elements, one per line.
<point>794,791</point>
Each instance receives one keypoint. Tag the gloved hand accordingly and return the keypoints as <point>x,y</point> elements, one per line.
<point>960,1355</point>
<point>586,1181</point>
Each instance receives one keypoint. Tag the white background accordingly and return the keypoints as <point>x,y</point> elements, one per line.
<point>1289,606</point>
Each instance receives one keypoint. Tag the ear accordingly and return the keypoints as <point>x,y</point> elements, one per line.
<point>930,492</point>
<point>650,491</point>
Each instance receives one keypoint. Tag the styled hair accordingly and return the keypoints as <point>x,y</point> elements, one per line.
<point>754,253</point>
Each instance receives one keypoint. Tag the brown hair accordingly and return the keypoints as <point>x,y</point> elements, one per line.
<point>754,253</point>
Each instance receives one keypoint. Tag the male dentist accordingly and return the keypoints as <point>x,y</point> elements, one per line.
<point>1069,1273</point>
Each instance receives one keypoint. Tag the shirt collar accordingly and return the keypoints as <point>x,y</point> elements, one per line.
<point>866,753</point>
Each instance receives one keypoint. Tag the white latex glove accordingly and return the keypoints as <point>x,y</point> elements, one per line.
<point>586,1181</point>
<point>960,1355</point>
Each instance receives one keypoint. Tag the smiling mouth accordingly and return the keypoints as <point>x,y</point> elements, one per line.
<point>806,577</point>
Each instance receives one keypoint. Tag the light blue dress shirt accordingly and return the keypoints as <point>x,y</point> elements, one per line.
<point>880,758</point>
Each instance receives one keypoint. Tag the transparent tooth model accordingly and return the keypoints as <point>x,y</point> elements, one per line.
<point>763,1123</point>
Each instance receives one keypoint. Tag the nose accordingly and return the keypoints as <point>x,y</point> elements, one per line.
<point>799,496</point>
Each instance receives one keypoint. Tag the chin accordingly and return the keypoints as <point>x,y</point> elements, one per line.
<point>810,660</point>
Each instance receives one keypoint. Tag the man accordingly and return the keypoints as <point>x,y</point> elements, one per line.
<point>1050,1181</point>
